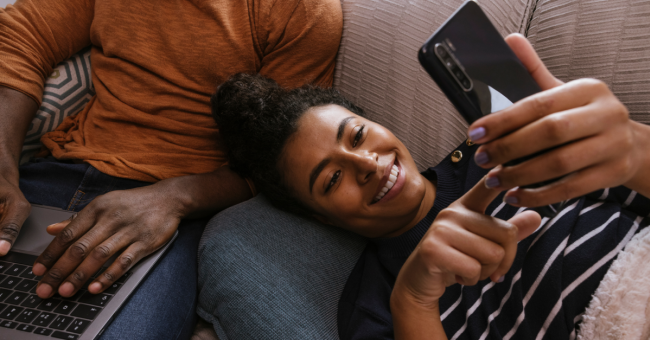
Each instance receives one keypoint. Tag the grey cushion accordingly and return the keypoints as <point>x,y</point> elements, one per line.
<point>267,274</point>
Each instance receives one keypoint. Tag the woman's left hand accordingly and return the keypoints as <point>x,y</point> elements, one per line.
<point>597,145</point>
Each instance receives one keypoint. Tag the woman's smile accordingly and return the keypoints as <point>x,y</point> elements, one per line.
<point>391,184</point>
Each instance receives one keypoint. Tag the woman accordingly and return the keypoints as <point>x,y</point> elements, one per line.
<point>312,152</point>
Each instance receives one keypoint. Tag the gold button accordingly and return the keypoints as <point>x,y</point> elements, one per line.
<point>469,142</point>
<point>456,156</point>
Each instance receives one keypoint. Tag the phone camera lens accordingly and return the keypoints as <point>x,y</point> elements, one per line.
<point>465,83</point>
<point>441,51</point>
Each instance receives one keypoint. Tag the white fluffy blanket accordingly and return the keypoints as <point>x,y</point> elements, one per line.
<point>620,308</point>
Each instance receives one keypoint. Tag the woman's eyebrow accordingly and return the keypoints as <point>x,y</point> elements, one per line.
<point>316,172</point>
<point>344,122</point>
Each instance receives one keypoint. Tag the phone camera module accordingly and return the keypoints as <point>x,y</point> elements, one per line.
<point>453,66</point>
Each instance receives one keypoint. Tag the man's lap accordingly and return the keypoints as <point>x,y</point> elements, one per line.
<point>163,305</point>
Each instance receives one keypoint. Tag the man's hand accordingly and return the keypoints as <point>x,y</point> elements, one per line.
<point>463,245</point>
<point>133,223</point>
<point>598,146</point>
<point>14,210</point>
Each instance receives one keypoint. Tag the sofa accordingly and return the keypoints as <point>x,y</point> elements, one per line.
<point>377,69</point>
<point>264,274</point>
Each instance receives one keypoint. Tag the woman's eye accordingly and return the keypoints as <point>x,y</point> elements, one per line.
<point>333,181</point>
<point>358,136</point>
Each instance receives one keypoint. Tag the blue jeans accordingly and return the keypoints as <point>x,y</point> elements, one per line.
<point>163,306</point>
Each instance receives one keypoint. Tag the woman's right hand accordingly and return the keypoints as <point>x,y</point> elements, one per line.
<point>463,245</point>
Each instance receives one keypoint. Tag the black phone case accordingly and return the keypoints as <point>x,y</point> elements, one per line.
<point>498,78</point>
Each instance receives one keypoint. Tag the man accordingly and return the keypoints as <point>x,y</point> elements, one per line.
<point>154,66</point>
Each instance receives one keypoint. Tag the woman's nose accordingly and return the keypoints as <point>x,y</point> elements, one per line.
<point>366,164</point>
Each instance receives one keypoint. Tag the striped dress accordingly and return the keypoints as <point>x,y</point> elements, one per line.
<point>556,271</point>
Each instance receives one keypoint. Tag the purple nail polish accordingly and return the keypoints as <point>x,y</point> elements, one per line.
<point>476,134</point>
<point>501,279</point>
<point>492,182</point>
<point>511,200</point>
<point>481,158</point>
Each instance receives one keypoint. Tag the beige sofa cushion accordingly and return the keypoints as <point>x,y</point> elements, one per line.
<point>377,68</point>
<point>608,40</point>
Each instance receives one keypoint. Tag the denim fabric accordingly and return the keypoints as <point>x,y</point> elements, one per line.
<point>163,306</point>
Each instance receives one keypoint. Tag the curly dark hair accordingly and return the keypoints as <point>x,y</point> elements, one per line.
<point>256,117</point>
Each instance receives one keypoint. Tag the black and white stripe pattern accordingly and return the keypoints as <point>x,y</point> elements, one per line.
<point>547,290</point>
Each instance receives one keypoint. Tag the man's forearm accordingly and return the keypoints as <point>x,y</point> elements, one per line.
<point>205,194</point>
<point>16,112</point>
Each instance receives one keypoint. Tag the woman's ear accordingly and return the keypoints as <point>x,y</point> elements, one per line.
<point>322,219</point>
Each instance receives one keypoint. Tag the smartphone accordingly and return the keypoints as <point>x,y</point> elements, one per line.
<point>475,68</point>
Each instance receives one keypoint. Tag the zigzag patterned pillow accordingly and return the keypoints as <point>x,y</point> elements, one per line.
<point>66,93</point>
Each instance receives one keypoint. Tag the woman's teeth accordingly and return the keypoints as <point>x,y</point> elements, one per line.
<point>394,171</point>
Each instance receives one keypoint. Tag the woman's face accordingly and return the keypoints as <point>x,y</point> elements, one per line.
<point>354,173</point>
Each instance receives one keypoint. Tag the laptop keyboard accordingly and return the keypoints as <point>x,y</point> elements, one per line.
<point>57,317</point>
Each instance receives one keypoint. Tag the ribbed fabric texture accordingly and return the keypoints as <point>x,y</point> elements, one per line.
<point>608,40</point>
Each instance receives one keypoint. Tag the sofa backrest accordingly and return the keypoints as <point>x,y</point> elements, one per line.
<point>377,66</point>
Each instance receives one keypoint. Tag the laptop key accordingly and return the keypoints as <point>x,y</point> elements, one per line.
<point>44,319</point>
<point>25,285</point>
<point>16,298</point>
<point>49,304</point>
<point>86,312</point>
<point>2,306</point>
<point>4,293</point>
<point>124,277</point>
<point>95,299</point>
<point>65,307</point>
<point>32,301</point>
<point>43,331</point>
<point>61,322</point>
<point>27,315</point>
<point>28,274</point>
<point>10,282</point>
<point>25,328</point>
<point>61,335</point>
<point>15,270</point>
<point>8,324</point>
<point>78,326</point>
<point>3,266</point>
<point>11,312</point>
<point>113,288</point>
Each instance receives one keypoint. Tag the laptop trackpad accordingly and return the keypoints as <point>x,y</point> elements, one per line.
<point>33,237</point>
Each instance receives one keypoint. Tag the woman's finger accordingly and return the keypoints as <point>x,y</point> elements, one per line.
<point>561,161</point>
<point>579,183</point>
<point>526,53</point>
<point>530,109</point>
<point>552,131</point>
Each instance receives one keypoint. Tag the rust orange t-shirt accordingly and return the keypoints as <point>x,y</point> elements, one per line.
<point>155,65</point>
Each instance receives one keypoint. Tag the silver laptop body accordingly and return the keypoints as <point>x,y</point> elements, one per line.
<point>84,316</point>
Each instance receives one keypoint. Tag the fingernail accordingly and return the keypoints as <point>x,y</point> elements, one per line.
<point>4,247</point>
<point>477,133</point>
<point>511,199</point>
<point>66,289</point>
<point>39,269</point>
<point>492,182</point>
<point>44,291</point>
<point>501,279</point>
<point>481,158</point>
<point>95,287</point>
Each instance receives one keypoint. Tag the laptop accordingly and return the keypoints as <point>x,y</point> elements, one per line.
<point>23,315</point>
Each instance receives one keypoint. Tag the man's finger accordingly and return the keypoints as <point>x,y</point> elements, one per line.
<point>12,217</point>
<point>479,197</point>
<point>63,240</point>
<point>526,53</point>
<point>56,228</point>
